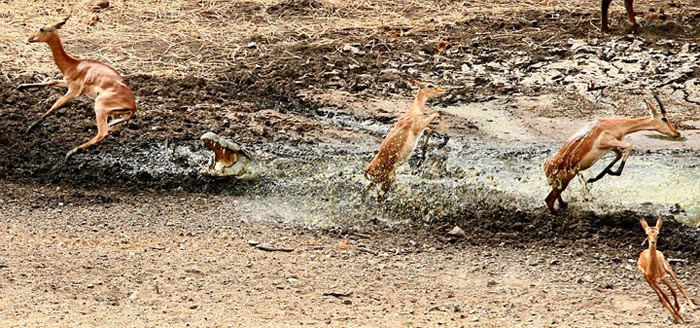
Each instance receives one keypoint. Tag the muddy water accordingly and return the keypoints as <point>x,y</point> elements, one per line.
<point>655,182</point>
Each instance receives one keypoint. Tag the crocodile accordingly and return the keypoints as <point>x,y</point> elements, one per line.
<point>229,159</point>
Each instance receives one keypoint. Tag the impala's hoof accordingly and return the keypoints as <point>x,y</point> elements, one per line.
<point>33,126</point>
<point>71,153</point>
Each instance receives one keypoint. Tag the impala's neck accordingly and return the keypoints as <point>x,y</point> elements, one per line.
<point>631,125</point>
<point>653,258</point>
<point>63,60</point>
<point>418,103</point>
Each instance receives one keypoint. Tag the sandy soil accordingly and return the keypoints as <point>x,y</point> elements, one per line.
<point>179,259</point>
<point>129,235</point>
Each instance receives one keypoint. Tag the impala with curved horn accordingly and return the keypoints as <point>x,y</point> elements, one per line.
<point>85,77</point>
<point>592,141</point>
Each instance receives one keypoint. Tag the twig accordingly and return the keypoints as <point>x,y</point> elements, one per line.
<point>337,294</point>
<point>670,260</point>
<point>273,249</point>
<point>365,250</point>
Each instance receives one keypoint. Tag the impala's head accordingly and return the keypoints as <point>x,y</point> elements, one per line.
<point>429,89</point>
<point>661,122</point>
<point>47,32</point>
<point>652,232</point>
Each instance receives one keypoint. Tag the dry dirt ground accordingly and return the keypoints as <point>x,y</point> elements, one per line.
<point>129,235</point>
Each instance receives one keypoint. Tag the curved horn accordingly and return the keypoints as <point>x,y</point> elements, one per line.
<point>658,100</point>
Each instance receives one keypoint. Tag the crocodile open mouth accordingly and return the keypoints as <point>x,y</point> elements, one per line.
<point>229,160</point>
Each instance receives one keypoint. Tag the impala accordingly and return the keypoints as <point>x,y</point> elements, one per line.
<point>399,144</point>
<point>654,267</point>
<point>85,77</point>
<point>587,145</point>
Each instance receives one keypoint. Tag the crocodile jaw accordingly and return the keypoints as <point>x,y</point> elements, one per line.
<point>229,159</point>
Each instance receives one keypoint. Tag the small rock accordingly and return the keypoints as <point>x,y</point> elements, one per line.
<point>456,232</point>
<point>347,302</point>
<point>134,295</point>
<point>253,242</point>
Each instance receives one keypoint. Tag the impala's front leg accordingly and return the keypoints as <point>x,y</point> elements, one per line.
<point>60,83</point>
<point>427,132</point>
<point>72,92</point>
<point>615,145</point>
<point>424,149</point>
<point>618,154</point>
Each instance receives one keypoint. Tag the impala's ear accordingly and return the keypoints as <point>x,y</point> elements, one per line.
<point>59,24</point>
<point>644,223</point>
<point>659,222</point>
<point>652,110</point>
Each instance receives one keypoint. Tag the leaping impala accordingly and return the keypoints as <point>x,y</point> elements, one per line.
<point>399,144</point>
<point>654,267</point>
<point>587,145</point>
<point>85,77</point>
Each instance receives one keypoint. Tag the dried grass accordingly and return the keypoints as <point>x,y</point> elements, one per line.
<point>207,37</point>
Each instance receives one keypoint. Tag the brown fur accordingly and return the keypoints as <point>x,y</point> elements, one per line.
<point>399,144</point>
<point>591,142</point>
<point>89,77</point>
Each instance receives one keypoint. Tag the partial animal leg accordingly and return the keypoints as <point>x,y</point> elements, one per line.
<point>427,132</point>
<point>668,269</point>
<point>549,200</point>
<point>58,104</point>
<point>555,195</point>
<point>366,189</point>
<point>604,18</point>
<point>663,299</point>
<point>122,119</point>
<point>607,170</point>
<point>386,187</point>
<point>673,293</point>
<point>630,15</point>
<point>102,131</point>
<point>60,83</point>
<point>424,150</point>
<point>562,204</point>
